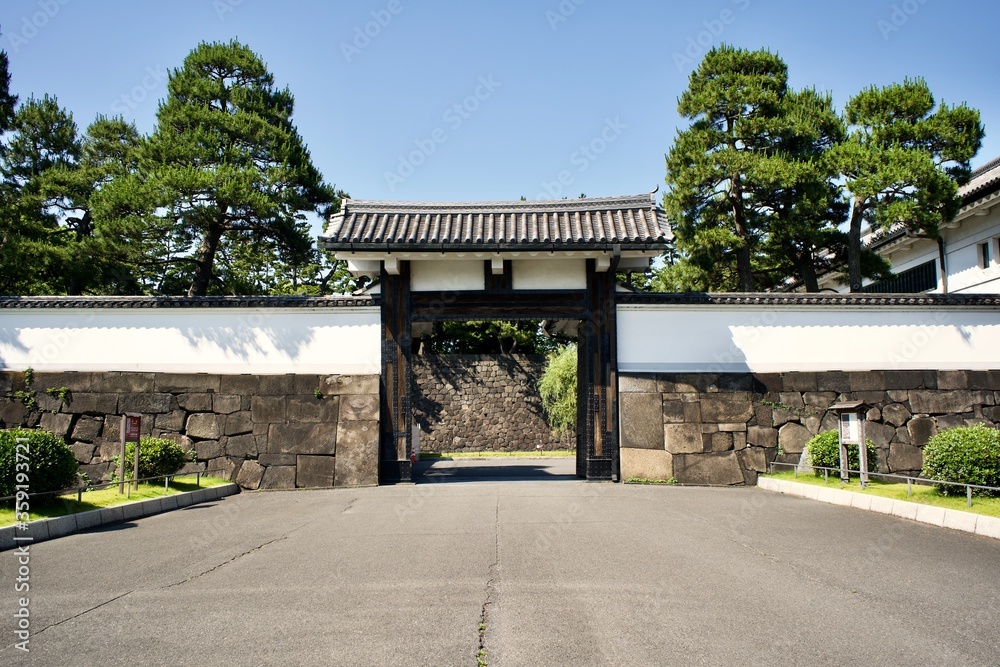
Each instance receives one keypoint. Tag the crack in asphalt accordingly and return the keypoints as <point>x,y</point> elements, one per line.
<point>224,563</point>
<point>491,590</point>
<point>85,611</point>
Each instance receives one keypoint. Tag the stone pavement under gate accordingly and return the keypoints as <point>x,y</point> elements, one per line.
<point>570,573</point>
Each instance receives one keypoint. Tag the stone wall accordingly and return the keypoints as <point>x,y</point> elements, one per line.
<point>476,403</point>
<point>262,431</point>
<point>726,428</point>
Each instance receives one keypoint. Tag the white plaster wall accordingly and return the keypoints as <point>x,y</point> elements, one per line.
<point>767,340</point>
<point>447,275</point>
<point>549,274</point>
<point>195,340</point>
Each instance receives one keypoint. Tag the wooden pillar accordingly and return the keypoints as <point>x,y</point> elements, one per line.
<point>597,380</point>
<point>395,433</point>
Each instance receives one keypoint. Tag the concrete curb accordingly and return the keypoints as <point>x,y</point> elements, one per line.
<point>50,529</point>
<point>986,526</point>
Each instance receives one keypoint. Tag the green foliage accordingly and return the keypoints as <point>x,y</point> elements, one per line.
<point>966,454</point>
<point>490,337</point>
<point>558,390</point>
<point>824,452</point>
<point>51,465</point>
<point>157,457</point>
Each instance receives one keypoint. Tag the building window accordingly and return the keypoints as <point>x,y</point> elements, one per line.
<point>921,278</point>
<point>984,255</point>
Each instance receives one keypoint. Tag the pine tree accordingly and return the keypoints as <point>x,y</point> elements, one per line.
<point>226,169</point>
<point>903,161</point>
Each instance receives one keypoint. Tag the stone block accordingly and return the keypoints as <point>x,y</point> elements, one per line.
<point>225,404</point>
<point>682,438</point>
<point>993,414</point>
<point>905,458</point>
<point>238,423</point>
<point>867,381</point>
<point>276,385</point>
<point>240,446</point>
<point>720,468</point>
<point>903,380</point>
<point>147,404</point>
<point>350,384</point>
<point>726,408</point>
<point>762,436</point>
<point>945,422</point>
<point>312,409</point>
<point>320,439</point>
<point>641,420</point>
<point>737,427</point>
<point>984,379</point>
<point>268,409</point>
<point>950,401</point>
<point>880,434</point>
<point>276,460</point>
<point>357,454</point>
<point>94,404</point>
<point>208,449</point>
<point>793,437</point>
<point>692,411</point>
<point>305,384</point>
<point>686,383</point>
<point>673,411</point>
<point>83,452</point>
<point>171,421</point>
<point>718,442</point>
<point>896,414</point>
<point>57,424</point>
<point>250,475</point>
<point>801,382</point>
<point>122,383</point>
<point>898,395</point>
<point>72,380</point>
<point>188,382</point>
<point>953,380</point>
<point>643,384</point>
<point>239,385</point>
<point>873,415</point>
<point>314,471</point>
<point>730,382</point>
<point>51,403</point>
<point>755,459</point>
<point>764,383</point>
<point>198,402</point>
<point>205,426</point>
<point>12,413</point>
<point>921,430</point>
<point>364,407</point>
<point>278,477</point>
<point>835,381</point>
<point>646,464</point>
<point>819,400</point>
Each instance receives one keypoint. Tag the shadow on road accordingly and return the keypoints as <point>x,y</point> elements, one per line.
<point>495,470</point>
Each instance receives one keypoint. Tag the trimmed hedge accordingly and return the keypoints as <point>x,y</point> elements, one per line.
<point>51,465</point>
<point>965,454</point>
<point>824,451</point>
<point>157,457</point>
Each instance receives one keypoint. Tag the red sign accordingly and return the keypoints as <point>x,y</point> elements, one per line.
<point>130,427</point>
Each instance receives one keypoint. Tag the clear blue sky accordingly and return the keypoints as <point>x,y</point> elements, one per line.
<point>558,76</point>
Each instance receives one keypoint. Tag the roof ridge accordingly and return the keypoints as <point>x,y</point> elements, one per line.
<point>580,202</point>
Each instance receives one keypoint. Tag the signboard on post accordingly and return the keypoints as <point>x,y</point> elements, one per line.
<point>852,432</point>
<point>130,430</point>
<point>850,428</point>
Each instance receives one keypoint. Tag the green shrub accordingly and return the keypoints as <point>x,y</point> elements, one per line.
<point>51,464</point>
<point>157,457</point>
<point>966,454</point>
<point>824,452</point>
<point>558,390</point>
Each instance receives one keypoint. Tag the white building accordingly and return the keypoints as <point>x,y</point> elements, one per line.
<point>969,248</point>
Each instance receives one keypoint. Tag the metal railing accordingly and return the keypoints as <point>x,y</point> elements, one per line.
<point>104,485</point>
<point>910,480</point>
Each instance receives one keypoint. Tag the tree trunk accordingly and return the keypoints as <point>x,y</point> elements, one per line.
<point>744,268</point>
<point>854,247</point>
<point>204,259</point>
<point>808,269</point>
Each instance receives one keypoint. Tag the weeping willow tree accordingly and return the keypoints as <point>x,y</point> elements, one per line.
<point>558,390</point>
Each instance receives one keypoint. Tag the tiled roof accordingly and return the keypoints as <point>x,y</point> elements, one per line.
<point>990,301</point>
<point>633,222</point>
<point>983,178</point>
<point>185,301</point>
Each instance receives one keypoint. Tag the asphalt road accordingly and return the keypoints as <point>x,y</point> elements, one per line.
<point>556,572</point>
